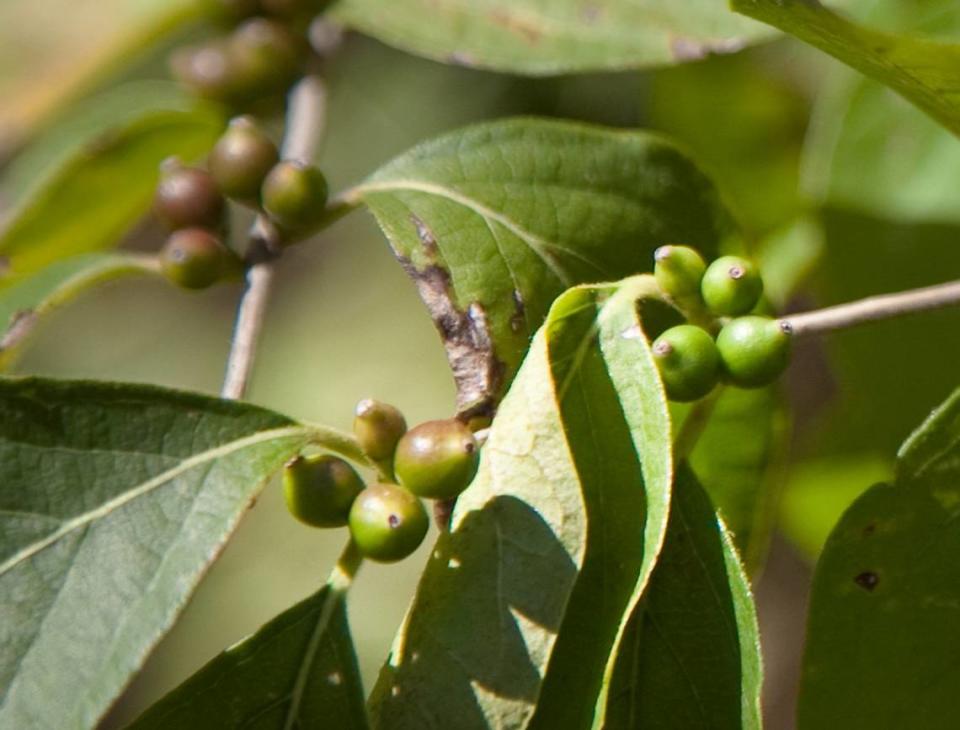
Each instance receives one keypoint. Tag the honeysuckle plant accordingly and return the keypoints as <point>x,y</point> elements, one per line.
<point>608,482</point>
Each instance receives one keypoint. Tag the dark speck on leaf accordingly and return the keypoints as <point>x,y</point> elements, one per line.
<point>867,580</point>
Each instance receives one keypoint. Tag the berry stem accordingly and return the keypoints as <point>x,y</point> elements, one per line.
<point>873,309</point>
<point>306,117</point>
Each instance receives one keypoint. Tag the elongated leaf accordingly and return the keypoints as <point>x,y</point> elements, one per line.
<point>495,221</point>
<point>691,654</point>
<point>735,458</point>
<point>553,36</point>
<point>99,193</point>
<point>927,72</point>
<point>113,501</point>
<point>299,671</point>
<point>50,51</point>
<point>522,603</point>
<point>883,627</point>
<point>25,303</point>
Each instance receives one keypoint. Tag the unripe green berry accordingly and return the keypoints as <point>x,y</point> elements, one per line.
<point>387,523</point>
<point>679,270</point>
<point>207,70</point>
<point>320,489</point>
<point>754,351</point>
<point>187,196</point>
<point>240,160</point>
<point>266,55</point>
<point>731,286</point>
<point>437,459</point>
<point>294,195</point>
<point>378,427</point>
<point>688,362</point>
<point>195,258</point>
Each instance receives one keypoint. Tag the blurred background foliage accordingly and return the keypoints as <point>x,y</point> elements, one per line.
<point>843,188</point>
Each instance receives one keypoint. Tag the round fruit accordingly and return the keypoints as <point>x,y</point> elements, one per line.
<point>387,522</point>
<point>437,459</point>
<point>266,55</point>
<point>187,196</point>
<point>731,286</point>
<point>294,195</point>
<point>320,489</point>
<point>378,427</point>
<point>207,70</point>
<point>241,159</point>
<point>688,362</point>
<point>195,258</point>
<point>679,270</point>
<point>754,351</point>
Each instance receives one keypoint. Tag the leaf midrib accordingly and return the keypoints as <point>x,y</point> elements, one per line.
<point>147,487</point>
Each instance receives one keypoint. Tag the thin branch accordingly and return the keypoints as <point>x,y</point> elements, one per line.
<point>305,128</point>
<point>871,309</point>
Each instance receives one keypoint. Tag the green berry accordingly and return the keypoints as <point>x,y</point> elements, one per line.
<point>294,195</point>
<point>320,489</point>
<point>731,286</point>
<point>378,427</point>
<point>195,258</point>
<point>241,159</point>
<point>679,270</point>
<point>207,70</point>
<point>437,459</point>
<point>387,522</point>
<point>688,362</point>
<point>187,196</point>
<point>754,351</point>
<point>266,55</point>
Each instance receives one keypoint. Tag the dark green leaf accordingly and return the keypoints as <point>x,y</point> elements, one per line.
<point>883,627</point>
<point>113,501</point>
<point>691,653</point>
<point>26,302</point>
<point>927,72</point>
<point>299,671</point>
<point>521,604</point>
<point>102,190</point>
<point>736,458</point>
<point>562,36</point>
<point>495,221</point>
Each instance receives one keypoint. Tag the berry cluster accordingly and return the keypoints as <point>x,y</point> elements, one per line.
<point>750,351</point>
<point>259,58</point>
<point>387,521</point>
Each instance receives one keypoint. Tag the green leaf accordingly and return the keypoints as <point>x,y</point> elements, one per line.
<point>494,221</point>
<point>25,303</point>
<point>523,602</point>
<point>50,51</point>
<point>883,627</point>
<point>691,654</point>
<point>553,36</point>
<point>927,72</point>
<point>102,190</point>
<point>736,459</point>
<point>299,670</point>
<point>864,131</point>
<point>113,501</point>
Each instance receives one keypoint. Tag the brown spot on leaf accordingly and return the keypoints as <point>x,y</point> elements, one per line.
<point>20,325</point>
<point>523,27</point>
<point>689,49</point>
<point>867,580</point>
<point>869,529</point>
<point>427,239</point>
<point>466,336</point>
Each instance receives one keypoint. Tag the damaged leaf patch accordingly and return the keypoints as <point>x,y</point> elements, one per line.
<point>494,221</point>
